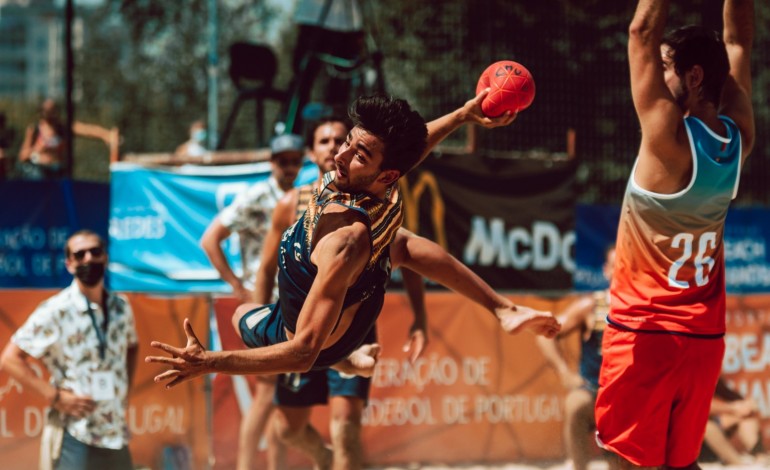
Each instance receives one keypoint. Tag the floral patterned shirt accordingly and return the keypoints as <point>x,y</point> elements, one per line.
<point>249,216</point>
<point>60,332</point>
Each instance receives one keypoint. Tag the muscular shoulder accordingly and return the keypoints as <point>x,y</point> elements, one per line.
<point>342,234</point>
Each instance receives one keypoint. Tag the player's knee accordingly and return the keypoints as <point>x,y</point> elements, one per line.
<point>287,433</point>
<point>345,430</point>
<point>242,310</point>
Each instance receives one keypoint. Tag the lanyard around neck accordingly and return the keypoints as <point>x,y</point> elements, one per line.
<point>101,333</point>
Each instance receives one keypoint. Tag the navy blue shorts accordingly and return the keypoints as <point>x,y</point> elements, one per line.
<point>262,326</point>
<point>314,388</point>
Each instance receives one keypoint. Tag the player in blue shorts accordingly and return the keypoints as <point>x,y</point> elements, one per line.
<point>295,393</point>
<point>335,261</point>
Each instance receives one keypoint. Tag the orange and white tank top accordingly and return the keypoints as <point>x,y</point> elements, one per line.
<point>669,267</point>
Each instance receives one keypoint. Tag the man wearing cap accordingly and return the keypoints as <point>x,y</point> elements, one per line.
<point>249,216</point>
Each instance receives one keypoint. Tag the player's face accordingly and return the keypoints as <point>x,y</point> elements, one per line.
<point>327,140</point>
<point>673,81</point>
<point>358,161</point>
<point>286,166</point>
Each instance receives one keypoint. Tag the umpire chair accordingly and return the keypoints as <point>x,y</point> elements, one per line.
<point>252,70</point>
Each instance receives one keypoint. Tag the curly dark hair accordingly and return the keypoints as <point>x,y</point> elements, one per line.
<point>401,129</point>
<point>695,45</point>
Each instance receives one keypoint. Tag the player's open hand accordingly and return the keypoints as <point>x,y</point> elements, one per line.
<point>472,113</point>
<point>415,345</point>
<point>514,319</point>
<point>185,363</point>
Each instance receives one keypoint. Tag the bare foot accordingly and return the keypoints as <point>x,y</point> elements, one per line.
<point>360,362</point>
<point>519,318</point>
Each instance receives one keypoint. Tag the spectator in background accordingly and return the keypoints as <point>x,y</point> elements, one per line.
<point>196,145</point>
<point>249,216</point>
<point>733,432</point>
<point>86,339</point>
<point>586,315</point>
<point>42,152</point>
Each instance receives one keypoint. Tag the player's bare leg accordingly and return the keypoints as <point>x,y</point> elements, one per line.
<point>578,426</point>
<point>255,421</point>
<point>292,426</point>
<point>345,424</point>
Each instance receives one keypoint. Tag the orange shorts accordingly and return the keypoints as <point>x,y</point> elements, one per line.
<point>655,394</point>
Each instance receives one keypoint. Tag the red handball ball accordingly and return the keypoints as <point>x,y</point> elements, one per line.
<point>513,88</point>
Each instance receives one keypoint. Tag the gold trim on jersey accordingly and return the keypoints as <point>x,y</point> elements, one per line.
<point>385,215</point>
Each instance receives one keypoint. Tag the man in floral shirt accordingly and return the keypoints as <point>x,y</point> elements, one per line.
<point>249,216</point>
<point>86,339</point>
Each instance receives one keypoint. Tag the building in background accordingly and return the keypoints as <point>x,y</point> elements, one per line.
<point>32,49</point>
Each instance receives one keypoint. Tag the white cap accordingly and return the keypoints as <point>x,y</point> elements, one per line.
<point>287,143</point>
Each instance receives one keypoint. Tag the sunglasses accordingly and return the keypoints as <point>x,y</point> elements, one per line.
<point>96,252</point>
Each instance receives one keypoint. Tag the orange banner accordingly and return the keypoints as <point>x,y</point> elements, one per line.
<point>475,395</point>
<point>478,395</point>
<point>747,352</point>
<point>161,421</point>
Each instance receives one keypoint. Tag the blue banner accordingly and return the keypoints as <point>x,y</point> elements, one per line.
<point>596,227</point>
<point>36,219</point>
<point>747,237</point>
<point>158,216</point>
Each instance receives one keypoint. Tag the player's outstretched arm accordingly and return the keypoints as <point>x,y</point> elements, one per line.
<point>470,112</point>
<point>648,87</point>
<point>418,332</point>
<point>430,260</point>
<point>193,360</point>
<point>340,255</point>
<point>664,154</point>
<point>736,96</point>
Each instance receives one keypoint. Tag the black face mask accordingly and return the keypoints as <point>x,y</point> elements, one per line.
<point>90,274</point>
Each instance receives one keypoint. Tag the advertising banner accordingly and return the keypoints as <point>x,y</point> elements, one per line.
<point>158,215</point>
<point>747,352</point>
<point>36,219</point>
<point>476,394</point>
<point>510,220</point>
